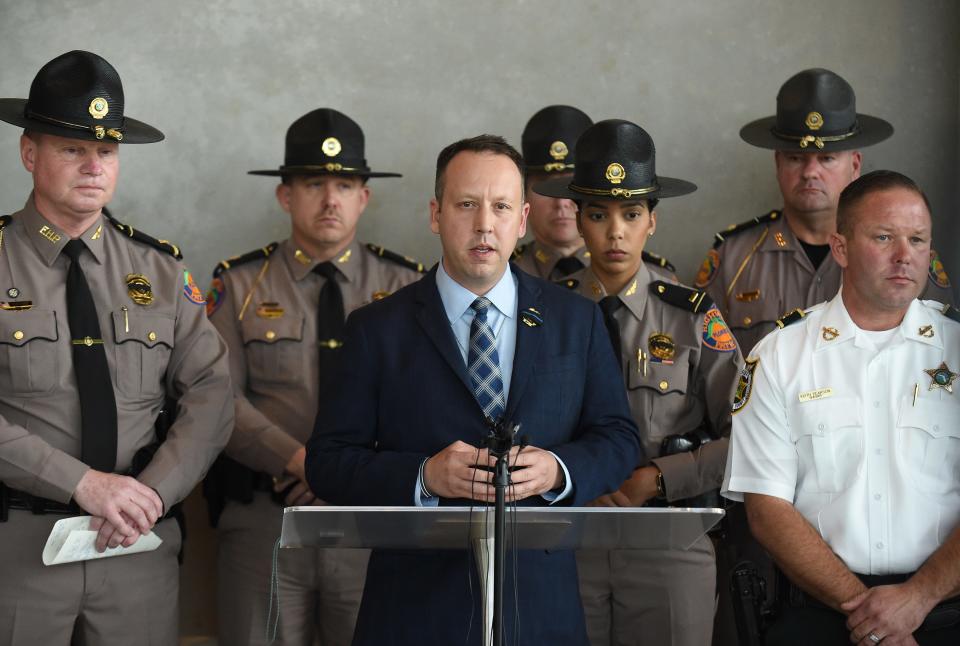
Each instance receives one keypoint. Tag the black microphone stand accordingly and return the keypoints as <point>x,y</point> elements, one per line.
<point>499,443</point>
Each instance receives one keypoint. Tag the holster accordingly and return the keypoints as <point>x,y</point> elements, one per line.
<point>749,594</point>
<point>685,443</point>
<point>227,480</point>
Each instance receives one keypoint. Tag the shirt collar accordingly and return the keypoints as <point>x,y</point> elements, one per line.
<point>838,328</point>
<point>457,299</point>
<point>49,241</point>
<point>549,257</point>
<point>633,295</point>
<point>301,264</point>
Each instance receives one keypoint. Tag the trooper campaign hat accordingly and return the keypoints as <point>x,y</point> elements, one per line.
<point>549,138</point>
<point>816,111</point>
<point>78,95</point>
<point>616,159</point>
<point>323,142</point>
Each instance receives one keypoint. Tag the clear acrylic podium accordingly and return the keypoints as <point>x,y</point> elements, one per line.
<point>456,528</point>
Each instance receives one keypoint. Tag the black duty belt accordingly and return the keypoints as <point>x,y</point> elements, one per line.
<point>16,499</point>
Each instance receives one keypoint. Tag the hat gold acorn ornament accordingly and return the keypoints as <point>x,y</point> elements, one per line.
<point>616,160</point>
<point>78,95</point>
<point>816,112</point>
<point>323,142</point>
<point>549,137</point>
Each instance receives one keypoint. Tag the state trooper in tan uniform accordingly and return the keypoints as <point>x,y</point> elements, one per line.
<point>680,364</point>
<point>274,308</point>
<point>99,324</point>
<point>764,268</point>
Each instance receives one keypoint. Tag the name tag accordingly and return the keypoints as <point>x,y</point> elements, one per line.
<point>820,393</point>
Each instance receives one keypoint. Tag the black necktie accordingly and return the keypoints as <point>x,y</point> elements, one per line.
<point>98,407</point>
<point>330,318</point>
<point>567,266</point>
<point>609,305</point>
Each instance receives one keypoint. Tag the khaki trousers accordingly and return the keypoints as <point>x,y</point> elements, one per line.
<point>113,601</point>
<point>320,589</point>
<point>649,597</point>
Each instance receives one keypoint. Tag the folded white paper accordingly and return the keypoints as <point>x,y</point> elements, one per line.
<point>71,539</point>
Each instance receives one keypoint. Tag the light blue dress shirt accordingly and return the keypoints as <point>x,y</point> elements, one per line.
<point>502,319</point>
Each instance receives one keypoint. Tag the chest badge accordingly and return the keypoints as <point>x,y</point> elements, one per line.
<point>662,348</point>
<point>139,289</point>
<point>942,377</point>
<point>269,310</point>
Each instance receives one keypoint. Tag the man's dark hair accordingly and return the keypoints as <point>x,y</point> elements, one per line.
<point>873,182</point>
<point>479,144</point>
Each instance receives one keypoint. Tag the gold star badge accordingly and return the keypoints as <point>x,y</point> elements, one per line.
<point>942,377</point>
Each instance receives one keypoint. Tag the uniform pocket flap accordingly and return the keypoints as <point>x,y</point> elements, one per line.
<point>660,376</point>
<point>938,418</point>
<point>824,415</point>
<point>286,328</point>
<point>19,328</point>
<point>148,329</point>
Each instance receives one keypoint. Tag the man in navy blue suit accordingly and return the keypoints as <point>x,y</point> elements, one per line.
<point>424,371</point>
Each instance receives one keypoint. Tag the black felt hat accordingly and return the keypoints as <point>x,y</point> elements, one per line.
<point>816,110</point>
<point>323,142</point>
<point>616,159</point>
<point>549,138</point>
<point>78,95</point>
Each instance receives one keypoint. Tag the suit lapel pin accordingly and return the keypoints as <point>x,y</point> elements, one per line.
<point>531,317</point>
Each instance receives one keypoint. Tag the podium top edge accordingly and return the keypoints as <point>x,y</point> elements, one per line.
<point>522,510</point>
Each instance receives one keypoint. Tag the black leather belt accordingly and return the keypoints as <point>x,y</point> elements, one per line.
<point>21,500</point>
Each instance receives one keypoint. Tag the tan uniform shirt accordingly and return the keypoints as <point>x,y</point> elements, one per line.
<point>166,346</point>
<point>757,275</point>
<point>694,390</point>
<point>541,261</point>
<point>273,346</point>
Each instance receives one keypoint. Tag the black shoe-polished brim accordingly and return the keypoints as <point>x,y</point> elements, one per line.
<point>134,132</point>
<point>668,187</point>
<point>873,130</point>
<point>318,170</point>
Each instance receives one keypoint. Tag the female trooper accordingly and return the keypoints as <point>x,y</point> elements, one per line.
<point>680,365</point>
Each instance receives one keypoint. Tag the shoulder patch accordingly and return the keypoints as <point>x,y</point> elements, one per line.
<point>790,318</point>
<point>191,291</point>
<point>745,384</point>
<point>215,295</point>
<point>660,261</point>
<point>519,251</point>
<point>161,245</point>
<point>407,262</point>
<point>250,256</point>
<point>692,300</point>
<point>716,335</point>
<point>938,273</point>
<point>734,229</point>
<point>708,269</point>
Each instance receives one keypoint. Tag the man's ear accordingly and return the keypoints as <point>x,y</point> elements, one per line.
<point>283,196</point>
<point>28,153</point>
<point>434,215</point>
<point>838,247</point>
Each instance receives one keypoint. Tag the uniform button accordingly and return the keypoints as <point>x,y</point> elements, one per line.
<point>879,451</point>
<point>877,496</point>
<point>271,335</point>
<point>664,385</point>
<point>879,546</point>
<point>936,427</point>
<point>820,426</point>
<point>18,335</point>
<point>876,404</point>
<point>747,320</point>
<point>152,336</point>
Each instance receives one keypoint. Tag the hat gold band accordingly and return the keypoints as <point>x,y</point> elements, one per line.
<point>98,131</point>
<point>614,192</point>
<point>806,140</point>
<point>330,167</point>
<point>556,166</point>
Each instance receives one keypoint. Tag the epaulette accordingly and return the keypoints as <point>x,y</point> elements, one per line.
<point>5,220</point>
<point>734,229</point>
<point>654,259</point>
<point>791,318</point>
<point>569,283</point>
<point>161,245</point>
<point>409,263</point>
<point>519,251</point>
<point>692,300</point>
<point>250,256</point>
<point>951,312</point>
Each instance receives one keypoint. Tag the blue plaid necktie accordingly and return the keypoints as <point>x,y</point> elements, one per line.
<point>483,363</point>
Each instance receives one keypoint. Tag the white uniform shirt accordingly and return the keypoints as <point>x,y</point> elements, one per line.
<point>831,425</point>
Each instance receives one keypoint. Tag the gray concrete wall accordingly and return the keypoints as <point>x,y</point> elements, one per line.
<point>224,79</point>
